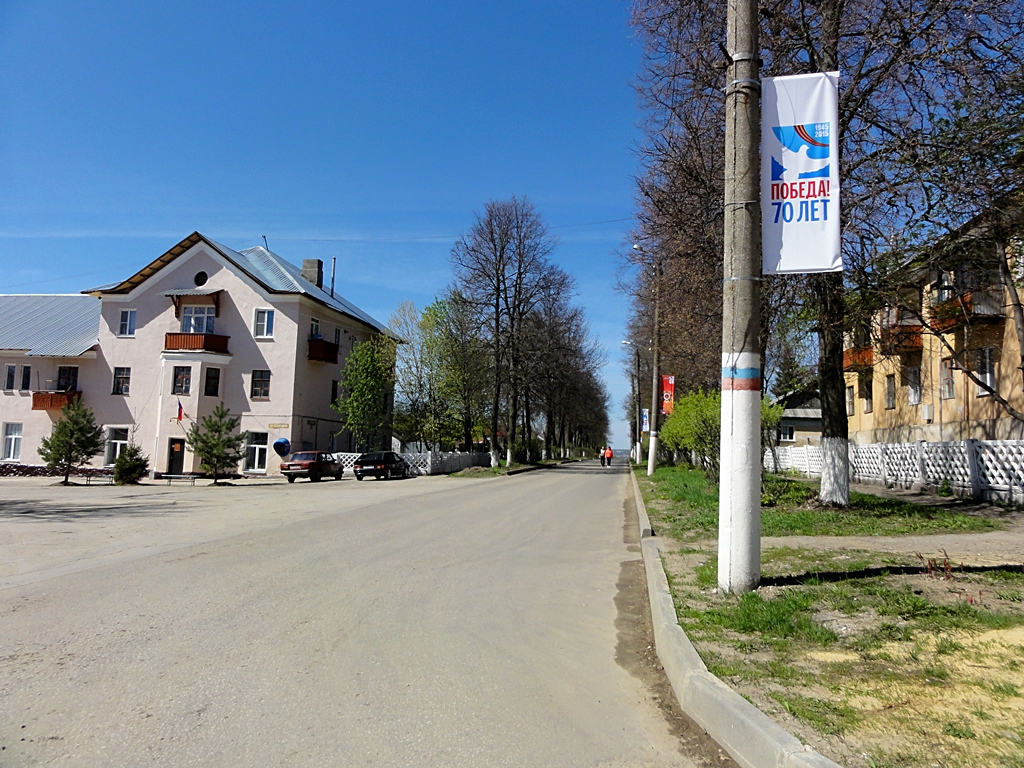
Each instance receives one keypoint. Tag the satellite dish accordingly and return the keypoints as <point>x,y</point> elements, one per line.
<point>282,447</point>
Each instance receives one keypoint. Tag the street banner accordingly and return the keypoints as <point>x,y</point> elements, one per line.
<point>668,394</point>
<point>800,174</point>
<point>645,420</point>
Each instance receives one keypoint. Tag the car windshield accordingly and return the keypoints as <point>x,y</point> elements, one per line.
<point>304,457</point>
<point>370,457</point>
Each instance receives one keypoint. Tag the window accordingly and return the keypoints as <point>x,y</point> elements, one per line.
<point>314,328</point>
<point>26,378</point>
<point>182,380</point>
<point>117,441</point>
<point>264,326</point>
<point>127,325</point>
<point>9,378</point>
<point>256,452</point>
<point>334,392</point>
<point>122,378</point>
<point>337,337</point>
<point>212,386</point>
<point>12,442</point>
<point>849,401</point>
<point>787,434</point>
<point>946,391</point>
<point>260,384</point>
<point>890,391</point>
<point>67,378</point>
<point>914,385</point>
<point>197,319</point>
<point>986,369</point>
<point>868,394</point>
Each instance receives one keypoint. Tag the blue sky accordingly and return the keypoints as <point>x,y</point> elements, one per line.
<point>366,132</point>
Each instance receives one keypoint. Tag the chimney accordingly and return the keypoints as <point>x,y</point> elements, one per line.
<point>313,270</point>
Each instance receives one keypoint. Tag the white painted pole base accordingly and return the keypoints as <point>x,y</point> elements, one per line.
<point>652,454</point>
<point>508,457</point>
<point>639,452</point>
<point>495,461</point>
<point>835,471</point>
<point>739,505</point>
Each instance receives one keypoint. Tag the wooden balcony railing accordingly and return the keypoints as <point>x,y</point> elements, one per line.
<point>195,342</point>
<point>323,351</point>
<point>901,339</point>
<point>53,401</point>
<point>858,357</point>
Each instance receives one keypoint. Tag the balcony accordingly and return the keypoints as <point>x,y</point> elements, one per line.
<point>857,358</point>
<point>323,351</point>
<point>53,401</point>
<point>901,339</point>
<point>195,342</point>
<point>969,307</point>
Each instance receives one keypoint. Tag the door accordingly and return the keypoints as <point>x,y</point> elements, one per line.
<point>175,456</point>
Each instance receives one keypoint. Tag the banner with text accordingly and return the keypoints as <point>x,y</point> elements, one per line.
<point>645,420</point>
<point>800,174</point>
<point>668,394</point>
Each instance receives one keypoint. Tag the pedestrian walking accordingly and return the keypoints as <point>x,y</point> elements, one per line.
<point>608,455</point>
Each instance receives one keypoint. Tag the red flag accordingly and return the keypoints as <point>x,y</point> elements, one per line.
<point>668,394</point>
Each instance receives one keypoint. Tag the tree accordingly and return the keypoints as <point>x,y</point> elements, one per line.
<point>463,362</point>
<point>76,438</point>
<point>131,464</point>
<point>365,387</point>
<point>216,443</point>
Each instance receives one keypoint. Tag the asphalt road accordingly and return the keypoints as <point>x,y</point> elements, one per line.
<point>426,622</point>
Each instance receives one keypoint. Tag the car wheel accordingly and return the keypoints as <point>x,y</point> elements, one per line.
<point>338,476</point>
<point>314,477</point>
<point>291,478</point>
<point>359,477</point>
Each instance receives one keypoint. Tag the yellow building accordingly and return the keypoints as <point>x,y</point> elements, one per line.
<point>930,365</point>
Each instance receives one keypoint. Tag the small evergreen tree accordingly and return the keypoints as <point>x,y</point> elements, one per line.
<point>131,466</point>
<point>214,443</point>
<point>76,438</point>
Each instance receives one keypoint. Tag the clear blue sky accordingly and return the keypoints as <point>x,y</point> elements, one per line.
<point>369,132</point>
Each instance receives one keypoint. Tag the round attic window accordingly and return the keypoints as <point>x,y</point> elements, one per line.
<point>201,278</point>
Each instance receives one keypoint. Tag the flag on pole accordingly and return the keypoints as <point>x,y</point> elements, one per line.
<point>181,411</point>
<point>800,174</point>
<point>668,394</point>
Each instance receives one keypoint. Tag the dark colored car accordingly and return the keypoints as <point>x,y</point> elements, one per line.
<point>311,464</point>
<point>381,464</point>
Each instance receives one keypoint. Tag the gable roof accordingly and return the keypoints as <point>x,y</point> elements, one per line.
<point>50,325</point>
<point>269,270</point>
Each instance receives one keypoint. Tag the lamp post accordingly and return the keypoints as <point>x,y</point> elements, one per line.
<point>652,450</point>
<point>637,449</point>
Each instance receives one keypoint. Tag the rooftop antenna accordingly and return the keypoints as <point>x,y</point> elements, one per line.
<point>265,243</point>
<point>334,262</point>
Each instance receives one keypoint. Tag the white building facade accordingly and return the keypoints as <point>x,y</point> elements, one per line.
<point>200,325</point>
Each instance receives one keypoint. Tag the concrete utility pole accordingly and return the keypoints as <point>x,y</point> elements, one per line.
<point>652,450</point>
<point>637,449</point>
<point>739,509</point>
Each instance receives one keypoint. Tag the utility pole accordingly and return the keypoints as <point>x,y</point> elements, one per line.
<point>739,509</point>
<point>652,450</point>
<point>637,449</point>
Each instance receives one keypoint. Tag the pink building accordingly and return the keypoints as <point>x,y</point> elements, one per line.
<point>199,325</point>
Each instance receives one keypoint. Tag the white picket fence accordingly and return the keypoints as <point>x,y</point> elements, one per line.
<point>991,469</point>
<point>430,463</point>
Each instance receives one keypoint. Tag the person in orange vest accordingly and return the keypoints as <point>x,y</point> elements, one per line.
<point>608,455</point>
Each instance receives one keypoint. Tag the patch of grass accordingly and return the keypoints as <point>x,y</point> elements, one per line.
<point>981,714</point>
<point>1009,595</point>
<point>825,716</point>
<point>707,574</point>
<point>788,616</point>
<point>1004,688</point>
<point>682,500</point>
<point>1006,576</point>
<point>947,645</point>
<point>958,729</point>
<point>935,675</point>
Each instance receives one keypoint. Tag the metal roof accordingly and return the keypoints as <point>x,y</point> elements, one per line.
<point>49,325</point>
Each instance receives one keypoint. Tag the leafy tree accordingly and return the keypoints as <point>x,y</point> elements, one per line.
<point>215,442</point>
<point>463,363</point>
<point>76,438</point>
<point>695,426</point>
<point>367,381</point>
<point>131,466</point>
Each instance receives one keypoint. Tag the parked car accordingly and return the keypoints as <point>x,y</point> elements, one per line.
<point>312,464</point>
<point>381,464</point>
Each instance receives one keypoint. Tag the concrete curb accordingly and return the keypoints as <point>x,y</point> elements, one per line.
<point>750,737</point>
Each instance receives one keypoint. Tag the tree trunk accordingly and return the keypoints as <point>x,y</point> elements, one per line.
<point>1015,306</point>
<point>835,468</point>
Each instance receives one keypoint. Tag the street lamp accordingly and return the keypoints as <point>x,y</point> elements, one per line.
<point>652,450</point>
<point>637,449</point>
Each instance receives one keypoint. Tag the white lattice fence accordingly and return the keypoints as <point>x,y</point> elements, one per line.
<point>813,453</point>
<point>901,465</point>
<point>947,461</point>
<point>347,459</point>
<point>1001,464</point>
<point>420,462</point>
<point>867,462</point>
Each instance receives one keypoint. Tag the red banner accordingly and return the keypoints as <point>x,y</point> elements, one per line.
<point>668,394</point>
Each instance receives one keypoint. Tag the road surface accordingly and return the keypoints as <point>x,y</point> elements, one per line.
<point>423,622</point>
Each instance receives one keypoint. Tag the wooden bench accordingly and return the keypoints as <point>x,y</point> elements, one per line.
<point>190,479</point>
<point>106,478</point>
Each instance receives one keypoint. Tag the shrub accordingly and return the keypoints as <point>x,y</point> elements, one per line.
<point>131,466</point>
